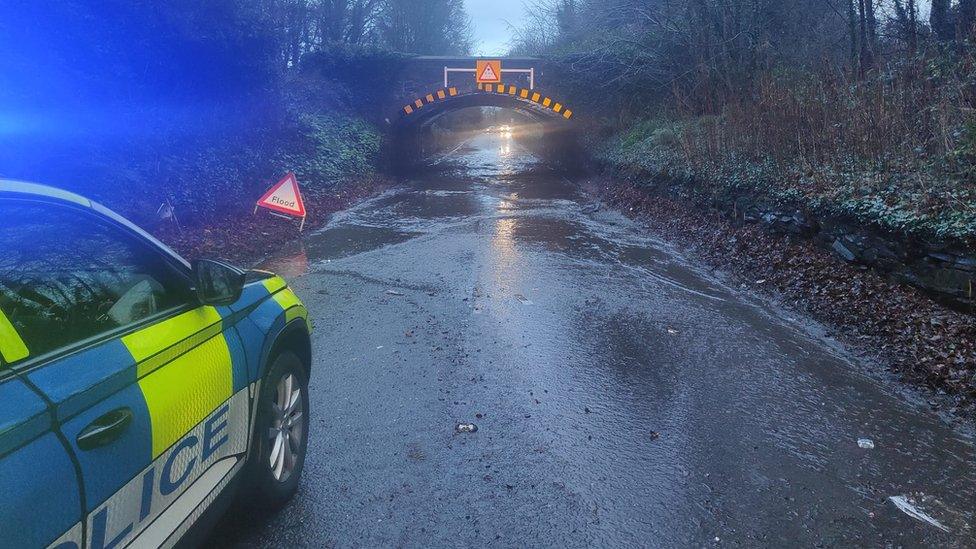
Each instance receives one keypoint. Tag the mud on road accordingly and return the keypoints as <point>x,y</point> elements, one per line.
<point>620,396</point>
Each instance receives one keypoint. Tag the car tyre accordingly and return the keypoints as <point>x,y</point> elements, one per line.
<point>281,434</point>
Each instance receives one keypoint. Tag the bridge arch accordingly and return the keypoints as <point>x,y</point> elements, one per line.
<point>411,129</point>
<point>427,108</point>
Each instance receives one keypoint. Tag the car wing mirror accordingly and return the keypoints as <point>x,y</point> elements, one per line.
<point>217,283</point>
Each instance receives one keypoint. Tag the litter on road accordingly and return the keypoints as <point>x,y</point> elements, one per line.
<point>907,504</point>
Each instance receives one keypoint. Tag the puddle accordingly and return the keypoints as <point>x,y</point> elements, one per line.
<point>291,262</point>
<point>297,258</point>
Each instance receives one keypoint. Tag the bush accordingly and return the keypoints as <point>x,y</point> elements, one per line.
<point>334,146</point>
<point>896,150</point>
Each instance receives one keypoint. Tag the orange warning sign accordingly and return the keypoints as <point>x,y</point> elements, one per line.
<point>489,72</point>
<point>284,197</point>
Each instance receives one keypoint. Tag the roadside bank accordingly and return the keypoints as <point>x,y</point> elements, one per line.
<point>916,225</point>
<point>244,238</point>
<point>924,342</point>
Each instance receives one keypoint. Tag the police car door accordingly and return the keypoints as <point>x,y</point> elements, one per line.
<point>40,498</point>
<point>141,378</point>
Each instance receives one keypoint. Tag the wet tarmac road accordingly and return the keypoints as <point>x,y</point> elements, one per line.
<point>622,397</point>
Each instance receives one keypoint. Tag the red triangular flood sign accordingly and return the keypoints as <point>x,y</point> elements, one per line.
<point>488,74</point>
<point>284,197</point>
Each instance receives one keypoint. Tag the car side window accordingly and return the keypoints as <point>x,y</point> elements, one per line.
<point>66,276</point>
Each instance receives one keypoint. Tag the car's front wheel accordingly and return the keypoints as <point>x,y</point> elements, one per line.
<point>281,432</point>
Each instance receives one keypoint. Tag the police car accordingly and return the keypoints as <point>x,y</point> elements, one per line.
<point>138,392</point>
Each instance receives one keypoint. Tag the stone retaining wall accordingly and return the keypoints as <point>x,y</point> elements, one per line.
<point>947,273</point>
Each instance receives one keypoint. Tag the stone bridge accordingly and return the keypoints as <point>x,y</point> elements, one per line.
<point>430,87</point>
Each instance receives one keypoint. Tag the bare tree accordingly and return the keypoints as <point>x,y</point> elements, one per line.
<point>906,16</point>
<point>966,18</point>
<point>866,32</point>
<point>939,20</point>
<point>433,27</point>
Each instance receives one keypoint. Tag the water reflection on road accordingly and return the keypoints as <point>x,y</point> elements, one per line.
<point>623,397</point>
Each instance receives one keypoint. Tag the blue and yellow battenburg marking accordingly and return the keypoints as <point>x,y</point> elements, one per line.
<point>12,347</point>
<point>197,377</point>
<point>201,356</point>
<point>172,375</point>
<point>177,377</point>
<point>289,302</point>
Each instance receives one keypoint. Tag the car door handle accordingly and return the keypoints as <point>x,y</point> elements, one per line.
<point>105,429</point>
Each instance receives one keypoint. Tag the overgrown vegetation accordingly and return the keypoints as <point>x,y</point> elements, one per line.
<point>864,108</point>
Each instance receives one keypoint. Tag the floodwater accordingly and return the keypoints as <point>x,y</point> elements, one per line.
<point>622,396</point>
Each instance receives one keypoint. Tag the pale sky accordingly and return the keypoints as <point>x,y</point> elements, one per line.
<point>490,20</point>
<point>488,17</point>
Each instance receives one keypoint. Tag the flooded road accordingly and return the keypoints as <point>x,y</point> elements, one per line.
<point>622,397</point>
